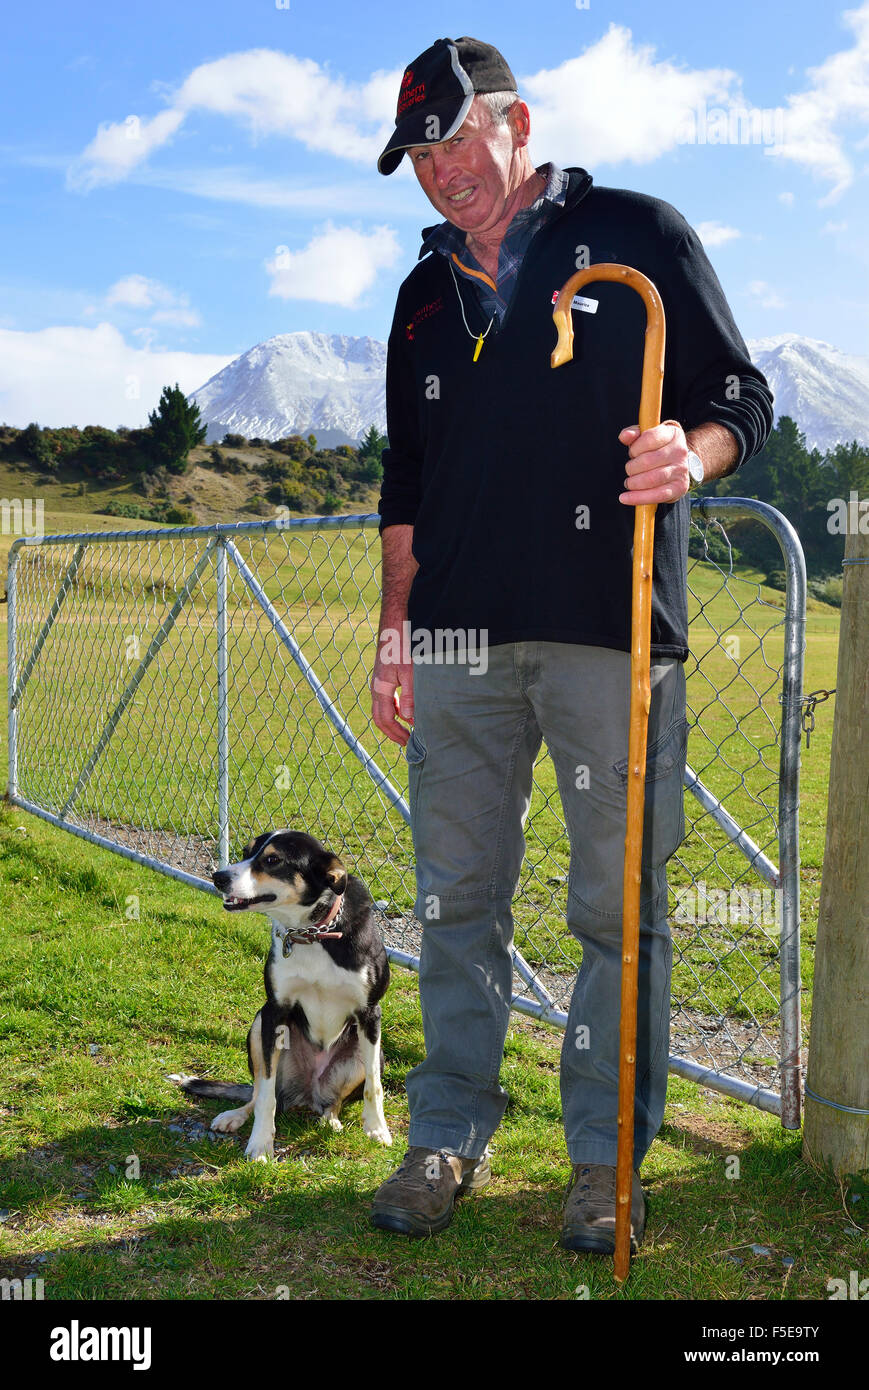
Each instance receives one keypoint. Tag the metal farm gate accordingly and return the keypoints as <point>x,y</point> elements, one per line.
<point>173,692</point>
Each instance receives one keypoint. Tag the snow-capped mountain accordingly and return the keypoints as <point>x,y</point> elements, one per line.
<point>334,387</point>
<point>299,383</point>
<point>826,391</point>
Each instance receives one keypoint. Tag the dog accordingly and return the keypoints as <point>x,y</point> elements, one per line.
<point>315,1043</point>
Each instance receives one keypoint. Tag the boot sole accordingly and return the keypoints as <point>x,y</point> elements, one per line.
<point>593,1245</point>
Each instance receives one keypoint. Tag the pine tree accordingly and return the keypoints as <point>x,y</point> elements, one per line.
<point>370,455</point>
<point>175,429</point>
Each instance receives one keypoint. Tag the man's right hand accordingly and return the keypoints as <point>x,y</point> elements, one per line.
<point>392,699</point>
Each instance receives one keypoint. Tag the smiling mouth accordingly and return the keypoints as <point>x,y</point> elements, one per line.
<point>463,197</point>
<point>235,904</point>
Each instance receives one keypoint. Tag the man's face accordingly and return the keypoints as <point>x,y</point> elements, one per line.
<point>470,178</point>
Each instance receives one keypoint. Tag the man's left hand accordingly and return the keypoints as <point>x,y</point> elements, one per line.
<point>657,470</point>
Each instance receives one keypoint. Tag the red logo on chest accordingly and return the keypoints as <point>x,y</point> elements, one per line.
<point>424,312</point>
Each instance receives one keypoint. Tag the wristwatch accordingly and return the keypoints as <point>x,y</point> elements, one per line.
<point>695,468</point>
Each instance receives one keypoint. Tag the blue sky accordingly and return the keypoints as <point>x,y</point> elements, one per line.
<point>181,181</point>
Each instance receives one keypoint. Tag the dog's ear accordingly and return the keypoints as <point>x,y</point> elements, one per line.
<point>333,872</point>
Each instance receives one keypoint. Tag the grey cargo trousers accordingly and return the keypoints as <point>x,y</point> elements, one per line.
<point>470,757</point>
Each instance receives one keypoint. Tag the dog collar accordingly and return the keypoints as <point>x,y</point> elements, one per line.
<point>303,936</point>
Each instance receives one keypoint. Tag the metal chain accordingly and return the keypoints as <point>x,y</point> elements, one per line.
<point>817,697</point>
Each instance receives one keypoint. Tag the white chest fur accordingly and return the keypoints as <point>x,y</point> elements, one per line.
<point>327,993</point>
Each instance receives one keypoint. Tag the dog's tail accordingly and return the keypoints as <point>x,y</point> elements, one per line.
<point>213,1090</point>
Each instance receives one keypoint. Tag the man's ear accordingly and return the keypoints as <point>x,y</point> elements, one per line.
<point>333,873</point>
<point>520,123</point>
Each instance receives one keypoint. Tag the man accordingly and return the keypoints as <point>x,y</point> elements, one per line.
<point>507,518</point>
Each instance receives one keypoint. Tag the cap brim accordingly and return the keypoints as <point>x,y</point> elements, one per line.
<point>412,131</point>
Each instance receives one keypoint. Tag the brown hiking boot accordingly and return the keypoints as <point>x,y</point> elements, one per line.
<point>590,1210</point>
<point>418,1199</point>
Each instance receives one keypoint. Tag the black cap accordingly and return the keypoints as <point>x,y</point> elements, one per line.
<point>436,92</point>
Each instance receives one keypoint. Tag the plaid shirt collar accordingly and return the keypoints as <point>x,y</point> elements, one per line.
<point>450,242</point>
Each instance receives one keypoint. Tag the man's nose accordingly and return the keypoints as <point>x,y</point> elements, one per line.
<point>443,167</point>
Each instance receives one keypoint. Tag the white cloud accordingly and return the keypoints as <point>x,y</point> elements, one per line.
<point>269,92</point>
<point>139,292</point>
<point>616,102</point>
<point>278,93</point>
<point>766,295</point>
<point>832,228</point>
<point>133,290</point>
<point>116,149</point>
<point>88,376</point>
<point>336,267</point>
<point>716,233</point>
<point>838,95</point>
<point>237,185</point>
<point>787,199</point>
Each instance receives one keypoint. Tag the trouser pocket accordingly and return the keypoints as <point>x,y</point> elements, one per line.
<point>664,818</point>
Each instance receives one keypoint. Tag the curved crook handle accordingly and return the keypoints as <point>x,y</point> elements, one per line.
<point>653,355</point>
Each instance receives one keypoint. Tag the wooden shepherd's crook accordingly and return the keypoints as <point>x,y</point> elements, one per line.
<point>641,623</point>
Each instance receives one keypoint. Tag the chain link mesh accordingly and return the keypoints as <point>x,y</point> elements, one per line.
<point>117,734</point>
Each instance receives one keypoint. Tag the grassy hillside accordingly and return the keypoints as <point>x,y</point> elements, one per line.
<point>244,484</point>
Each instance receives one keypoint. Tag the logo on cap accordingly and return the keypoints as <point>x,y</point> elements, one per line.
<point>408,77</point>
<point>410,96</point>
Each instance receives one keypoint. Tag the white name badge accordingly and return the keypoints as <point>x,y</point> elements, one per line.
<point>579,301</point>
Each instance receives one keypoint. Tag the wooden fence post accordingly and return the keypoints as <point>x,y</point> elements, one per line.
<point>839,1049</point>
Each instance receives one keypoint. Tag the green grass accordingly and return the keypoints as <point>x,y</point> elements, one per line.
<point>97,1008</point>
<point>98,1005</point>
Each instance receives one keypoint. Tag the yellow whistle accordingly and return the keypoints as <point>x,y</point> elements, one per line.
<point>479,348</point>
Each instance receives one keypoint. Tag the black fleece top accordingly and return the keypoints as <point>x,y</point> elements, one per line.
<point>495,462</point>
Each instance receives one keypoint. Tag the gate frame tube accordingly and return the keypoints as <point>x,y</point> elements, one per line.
<point>787,1104</point>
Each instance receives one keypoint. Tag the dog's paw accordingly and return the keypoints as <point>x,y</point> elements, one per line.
<point>260,1150</point>
<point>228,1121</point>
<point>377,1131</point>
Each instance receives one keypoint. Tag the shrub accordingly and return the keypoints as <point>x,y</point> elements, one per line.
<point>34,443</point>
<point>180,516</point>
<point>827,590</point>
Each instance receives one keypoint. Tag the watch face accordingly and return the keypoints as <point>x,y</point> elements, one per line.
<point>695,467</point>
